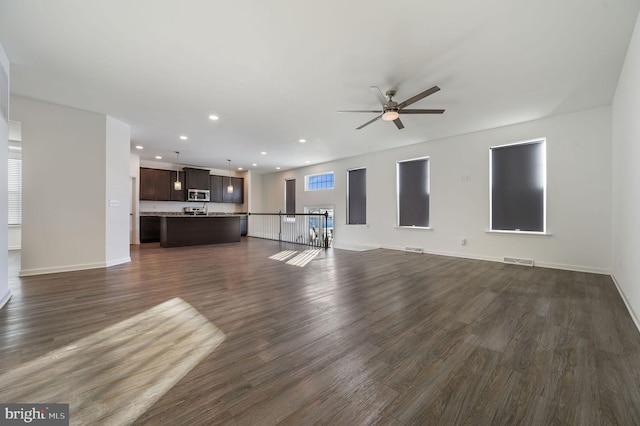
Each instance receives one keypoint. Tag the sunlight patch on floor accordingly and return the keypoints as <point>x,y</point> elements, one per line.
<point>303,258</point>
<point>114,375</point>
<point>283,255</point>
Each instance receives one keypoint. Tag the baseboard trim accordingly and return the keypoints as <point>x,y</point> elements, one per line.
<point>450,254</point>
<point>465,256</point>
<point>536,263</point>
<point>353,247</point>
<point>634,317</point>
<point>120,261</point>
<point>58,269</point>
<point>5,298</point>
<point>574,268</point>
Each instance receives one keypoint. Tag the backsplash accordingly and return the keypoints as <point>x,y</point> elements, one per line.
<point>173,206</point>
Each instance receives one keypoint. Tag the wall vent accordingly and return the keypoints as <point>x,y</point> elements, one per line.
<point>517,261</point>
<point>413,249</point>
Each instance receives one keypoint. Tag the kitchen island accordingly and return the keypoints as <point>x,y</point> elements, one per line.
<point>183,230</point>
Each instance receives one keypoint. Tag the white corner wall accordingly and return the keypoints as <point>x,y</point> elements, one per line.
<point>65,180</point>
<point>578,199</point>
<point>626,178</point>
<point>118,191</point>
<point>5,293</point>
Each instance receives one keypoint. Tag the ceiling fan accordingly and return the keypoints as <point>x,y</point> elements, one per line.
<point>391,110</point>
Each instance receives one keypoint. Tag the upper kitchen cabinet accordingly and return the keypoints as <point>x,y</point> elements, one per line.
<point>216,188</point>
<point>155,184</point>
<point>196,178</point>
<point>180,195</point>
<point>238,190</point>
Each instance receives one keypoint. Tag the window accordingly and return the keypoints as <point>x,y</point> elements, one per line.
<point>316,182</point>
<point>357,196</point>
<point>15,184</point>
<point>290,196</point>
<point>518,187</point>
<point>413,192</point>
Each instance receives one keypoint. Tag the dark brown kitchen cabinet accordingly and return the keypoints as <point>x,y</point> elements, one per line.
<point>180,195</point>
<point>155,184</point>
<point>238,190</point>
<point>149,229</point>
<point>216,185</point>
<point>196,178</point>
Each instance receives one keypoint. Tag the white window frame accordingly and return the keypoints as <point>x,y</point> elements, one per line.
<point>306,181</point>
<point>428,159</point>
<point>349,197</point>
<point>543,141</point>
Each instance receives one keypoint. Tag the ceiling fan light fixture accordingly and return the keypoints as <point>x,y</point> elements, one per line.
<point>390,115</point>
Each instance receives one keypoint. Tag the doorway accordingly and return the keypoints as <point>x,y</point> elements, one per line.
<point>317,228</point>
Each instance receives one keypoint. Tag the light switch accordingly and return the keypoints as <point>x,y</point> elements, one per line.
<point>114,203</point>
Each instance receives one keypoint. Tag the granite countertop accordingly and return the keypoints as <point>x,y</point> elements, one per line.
<point>181,214</point>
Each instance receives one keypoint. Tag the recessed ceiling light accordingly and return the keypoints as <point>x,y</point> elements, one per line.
<point>158,157</point>
<point>255,164</point>
<point>307,161</point>
<point>239,168</point>
<point>213,117</point>
<point>277,168</point>
<point>302,140</point>
<point>183,137</point>
<point>264,153</point>
<point>139,147</point>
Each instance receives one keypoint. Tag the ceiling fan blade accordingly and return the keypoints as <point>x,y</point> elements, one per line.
<point>378,94</point>
<point>421,111</point>
<point>369,111</point>
<point>369,122</point>
<point>398,124</point>
<point>419,96</point>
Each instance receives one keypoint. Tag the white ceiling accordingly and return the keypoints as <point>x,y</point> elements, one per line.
<point>277,71</point>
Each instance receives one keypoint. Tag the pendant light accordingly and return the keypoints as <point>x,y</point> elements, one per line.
<point>177,185</point>
<point>230,187</point>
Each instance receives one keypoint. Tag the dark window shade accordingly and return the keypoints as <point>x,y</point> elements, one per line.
<point>413,193</point>
<point>357,193</point>
<point>290,196</point>
<point>517,187</point>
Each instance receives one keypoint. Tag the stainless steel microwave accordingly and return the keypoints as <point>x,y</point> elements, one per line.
<point>202,195</point>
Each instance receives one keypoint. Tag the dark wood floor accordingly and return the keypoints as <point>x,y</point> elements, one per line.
<point>376,337</point>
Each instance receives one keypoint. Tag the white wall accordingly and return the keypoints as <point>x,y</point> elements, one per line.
<point>64,153</point>
<point>626,178</point>
<point>579,192</point>
<point>118,191</point>
<point>5,293</point>
<point>253,191</point>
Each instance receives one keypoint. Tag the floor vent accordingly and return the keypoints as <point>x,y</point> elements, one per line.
<point>413,249</point>
<point>516,261</point>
